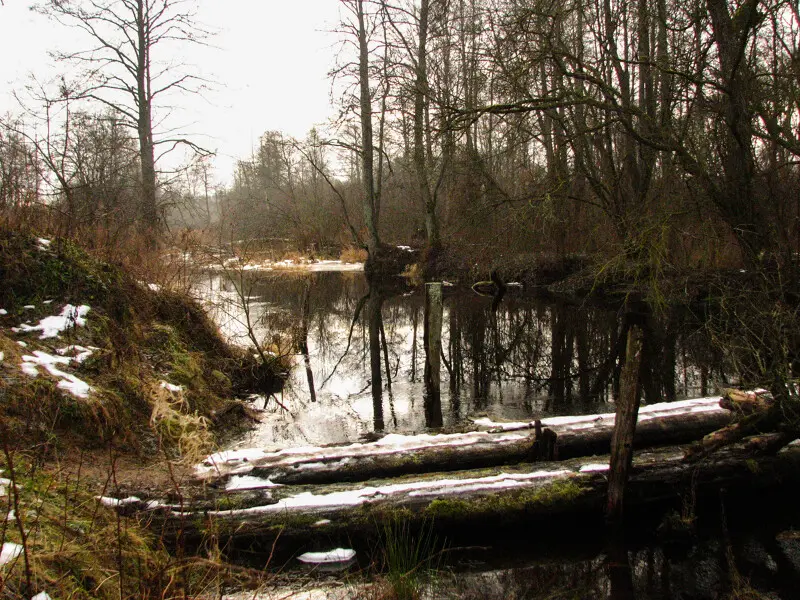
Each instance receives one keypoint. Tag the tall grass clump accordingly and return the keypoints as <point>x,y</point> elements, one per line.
<point>410,557</point>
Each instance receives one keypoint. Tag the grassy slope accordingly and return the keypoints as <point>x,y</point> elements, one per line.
<point>59,448</point>
<point>144,337</point>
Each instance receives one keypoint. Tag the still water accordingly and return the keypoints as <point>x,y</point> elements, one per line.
<point>519,359</point>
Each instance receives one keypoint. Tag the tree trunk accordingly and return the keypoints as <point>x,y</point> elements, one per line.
<point>625,426</point>
<point>421,158</point>
<point>373,241</point>
<point>149,209</point>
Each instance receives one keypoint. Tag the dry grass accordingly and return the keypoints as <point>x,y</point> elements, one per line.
<point>78,548</point>
<point>351,254</point>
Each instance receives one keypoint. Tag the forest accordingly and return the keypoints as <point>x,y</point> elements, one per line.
<point>620,177</point>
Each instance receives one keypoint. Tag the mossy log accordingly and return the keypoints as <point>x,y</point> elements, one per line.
<point>587,435</point>
<point>545,494</point>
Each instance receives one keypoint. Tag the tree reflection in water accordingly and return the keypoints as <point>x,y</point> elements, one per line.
<point>520,359</point>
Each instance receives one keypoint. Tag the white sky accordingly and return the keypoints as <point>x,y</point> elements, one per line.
<point>271,62</point>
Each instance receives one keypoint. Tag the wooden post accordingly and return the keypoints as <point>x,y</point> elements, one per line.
<point>625,425</point>
<point>434,311</point>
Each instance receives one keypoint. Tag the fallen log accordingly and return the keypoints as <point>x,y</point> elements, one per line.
<point>746,402</point>
<point>540,494</point>
<point>505,443</point>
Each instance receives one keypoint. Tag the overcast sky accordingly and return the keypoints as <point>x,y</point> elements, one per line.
<point>271,65</point>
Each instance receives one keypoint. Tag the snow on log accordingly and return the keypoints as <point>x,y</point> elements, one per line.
<point>541,493</point>
<point>666,423</point>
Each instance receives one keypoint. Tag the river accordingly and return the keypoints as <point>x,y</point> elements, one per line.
<point>521,358</point>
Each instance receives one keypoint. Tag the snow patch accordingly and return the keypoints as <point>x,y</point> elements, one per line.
<point>82,352</point>
<point>21,343</point>
<point>322,523</point>
<point>171,387</point>
<point>337,555</point>
<point>594,468</point>
<point>3,312</point>
<point>77,387</point>
<point>44,243</point>
<point>8,552</point>
<point>240,461</point>
<point>234,457</point>
<point>71,316</point>
<point>41,596</point>
<point>248,482</point>
<point>117,502</point>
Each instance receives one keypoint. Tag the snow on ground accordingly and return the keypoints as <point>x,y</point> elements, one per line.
<point>289,264</point>
<point>68,381</point>
<point>337,591</point>
<point>9,552</point>
<point>171,387</point>
<point>3,312</point>
<point>114,502</point>
<point>51,326</point>
<point>3,484</point>
<point>41,596</point>
<point>82,352</point>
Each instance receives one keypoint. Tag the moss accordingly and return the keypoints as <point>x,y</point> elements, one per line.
<point>752,466</point>
<point>549,495</point>
<point>221,378</point>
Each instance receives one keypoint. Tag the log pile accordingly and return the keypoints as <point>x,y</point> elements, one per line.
<point>504,472</point>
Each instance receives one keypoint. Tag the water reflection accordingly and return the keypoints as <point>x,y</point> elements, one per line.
<point>750,564</point>
<point>366,362</point>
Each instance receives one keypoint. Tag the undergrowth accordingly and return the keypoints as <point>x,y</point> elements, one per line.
<point>144,338</point>
<point>69,544</point>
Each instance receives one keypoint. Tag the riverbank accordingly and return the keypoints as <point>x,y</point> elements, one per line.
<point>106,381</point>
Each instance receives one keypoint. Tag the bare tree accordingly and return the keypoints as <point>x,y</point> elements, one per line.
<point>126,67</point>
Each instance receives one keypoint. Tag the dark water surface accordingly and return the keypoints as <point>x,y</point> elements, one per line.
<point>519,359</point>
